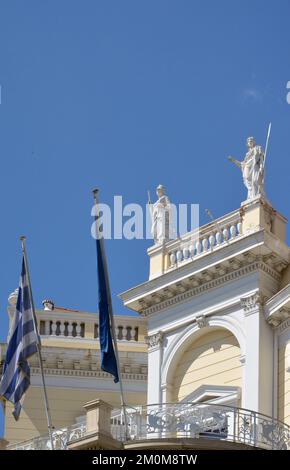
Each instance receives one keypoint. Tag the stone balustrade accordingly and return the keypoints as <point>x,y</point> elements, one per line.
<point>70,329</point>
<point>208,238</point>
<point>55,324</point>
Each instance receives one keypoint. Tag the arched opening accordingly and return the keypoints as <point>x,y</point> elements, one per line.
<point>209,369</point>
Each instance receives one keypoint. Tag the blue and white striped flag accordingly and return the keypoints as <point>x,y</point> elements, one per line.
<point>22,344</point>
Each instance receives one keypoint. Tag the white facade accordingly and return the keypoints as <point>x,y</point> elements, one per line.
<point>229,281</point>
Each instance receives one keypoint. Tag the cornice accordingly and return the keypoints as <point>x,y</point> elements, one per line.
<point>207,286</point>
<point>277,308</point>
<point>226,252</point>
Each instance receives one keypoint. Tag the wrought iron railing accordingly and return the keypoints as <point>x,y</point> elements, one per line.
<point>180,420</point>
<point>60,439</point>
<point>203,420</point>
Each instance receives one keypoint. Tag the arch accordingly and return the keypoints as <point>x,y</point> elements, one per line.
<point>192,333</point>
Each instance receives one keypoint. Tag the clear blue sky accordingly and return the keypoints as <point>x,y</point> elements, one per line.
<point>125,95</point>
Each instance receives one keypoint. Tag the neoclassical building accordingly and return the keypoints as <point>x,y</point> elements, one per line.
<point>205,360</point>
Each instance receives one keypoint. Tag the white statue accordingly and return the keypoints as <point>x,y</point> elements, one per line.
<point>253,169</point>
<point>161,215</point>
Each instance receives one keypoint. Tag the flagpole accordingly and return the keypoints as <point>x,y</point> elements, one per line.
<point>38,345</point>
<point>112,322</point>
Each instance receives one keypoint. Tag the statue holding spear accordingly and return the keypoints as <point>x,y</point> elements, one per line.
<point>253,167</point>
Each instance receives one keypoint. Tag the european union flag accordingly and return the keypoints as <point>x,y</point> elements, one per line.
<point>108,358</point>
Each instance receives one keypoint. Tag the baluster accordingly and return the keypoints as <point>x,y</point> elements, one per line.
<point>78,330</point>
<point>70,329</point>
<point>124,333</point>
<point>240,228</point>
<point>198,247</point>
<point>218,237</point>
<point>172,259</point>
<point>58,328</point>
<point>61,328</point>
<point>129,337</point>
<point>53,328</point>
<point>205,244</point>
<point>191,250</point>
<point>185,253</point>
<point>74,332</point>
<point>119,332</point>
<point>179,255</point>
<point>211,241</point>
<point>47,327</point>
<point>136,334</point>
<point>233,231</point>
<point>65,328</point>
<point>226,234</point>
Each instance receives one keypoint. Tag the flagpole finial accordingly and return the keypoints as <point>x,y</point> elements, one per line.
<point>95,191</point>
<point>22,238</point>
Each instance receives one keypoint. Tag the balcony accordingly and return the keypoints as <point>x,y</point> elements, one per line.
<point>195,425</point>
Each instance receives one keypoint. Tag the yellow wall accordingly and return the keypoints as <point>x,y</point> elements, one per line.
<point>214,359</point>
<point>65,404</point>
<point>284,384</point>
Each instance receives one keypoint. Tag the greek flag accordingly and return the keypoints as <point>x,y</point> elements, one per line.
<point>22,344</point>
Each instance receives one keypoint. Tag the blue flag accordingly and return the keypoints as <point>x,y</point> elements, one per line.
<point>108,358</point>
<point>22,344</point>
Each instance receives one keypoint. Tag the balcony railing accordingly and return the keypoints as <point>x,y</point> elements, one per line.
<point>60,439</point>
<point>182,420</point>
<point>207,239</point>
<point>126,330</point>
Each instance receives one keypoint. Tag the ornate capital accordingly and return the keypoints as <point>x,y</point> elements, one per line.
<point>201,321</point>
<point>251,303</point>
<point>154,341</point>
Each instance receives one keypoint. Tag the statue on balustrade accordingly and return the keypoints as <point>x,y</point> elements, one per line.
<point>253,169</point>
<point>162,228</point>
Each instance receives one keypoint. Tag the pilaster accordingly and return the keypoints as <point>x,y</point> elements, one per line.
<point>155,353</point>
<point>258,362</point>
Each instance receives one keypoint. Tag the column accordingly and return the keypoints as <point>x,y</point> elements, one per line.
<point>258,367</point>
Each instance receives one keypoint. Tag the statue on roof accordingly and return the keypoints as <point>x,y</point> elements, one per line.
<point>161,216</point>
<point>253,169</point>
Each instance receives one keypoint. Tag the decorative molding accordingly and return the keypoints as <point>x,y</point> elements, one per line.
<point>221,394</point>
<point>155,340</point>
<point>251,303</point>
<point>284,326</point>
<point>244,271</point>
<point>87,373</point>
<point>243,359</point>
<point>189,334</point>
<point>201,321</point>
